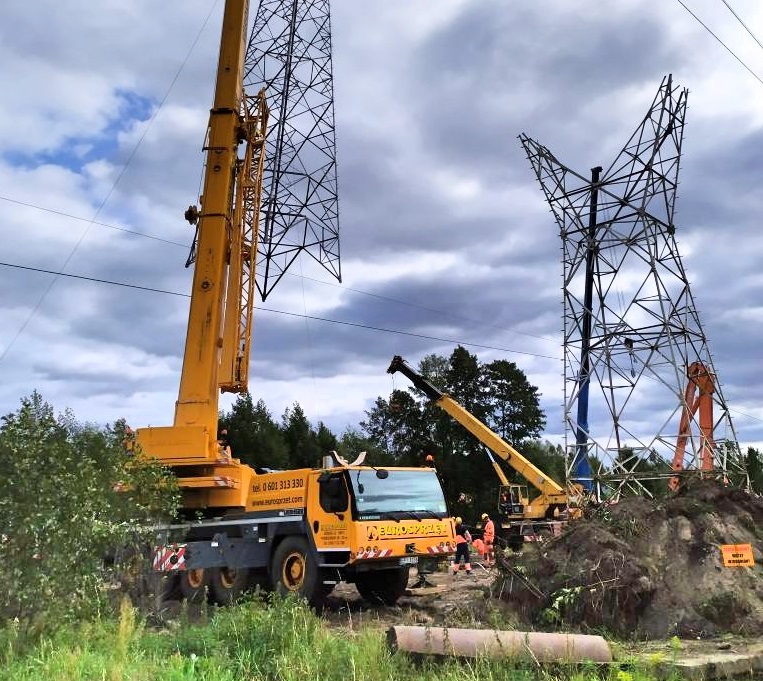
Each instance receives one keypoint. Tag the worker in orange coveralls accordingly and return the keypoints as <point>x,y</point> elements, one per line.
<point>488,536</point>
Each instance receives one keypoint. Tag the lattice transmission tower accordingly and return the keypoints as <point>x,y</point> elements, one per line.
<point>289,52</point>
<point>633,341</point>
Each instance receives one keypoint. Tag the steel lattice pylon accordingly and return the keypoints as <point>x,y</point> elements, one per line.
<point>631,328</point>
<point>289,52</point>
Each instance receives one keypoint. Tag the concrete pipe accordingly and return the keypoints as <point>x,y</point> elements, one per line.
<point>534,646</point>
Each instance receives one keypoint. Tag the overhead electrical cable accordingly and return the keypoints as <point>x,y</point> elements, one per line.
<point>94,279</point>
<point>293,274</point>
<point>730,51</point>
<point>749,416</point>
<point>119,176</point>
<point>94,222</point>
<point>284,312</point>
<point>320,319</point>
<point>739,19</point>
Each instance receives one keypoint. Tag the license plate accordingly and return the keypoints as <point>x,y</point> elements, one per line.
<point>409,560</point>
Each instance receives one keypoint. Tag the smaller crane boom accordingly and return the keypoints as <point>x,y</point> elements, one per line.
<point>552,495</point>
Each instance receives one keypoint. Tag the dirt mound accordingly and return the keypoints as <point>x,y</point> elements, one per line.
<point>647,569</point>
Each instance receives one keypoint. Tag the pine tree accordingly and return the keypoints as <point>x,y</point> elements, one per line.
<point>254,437</point>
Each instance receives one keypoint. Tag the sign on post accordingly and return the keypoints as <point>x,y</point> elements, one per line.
<point>737,555</point>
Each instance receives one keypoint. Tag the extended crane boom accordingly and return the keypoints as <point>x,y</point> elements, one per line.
<point>217,346</point>
<point>552,496</point>
<point>297,531</point>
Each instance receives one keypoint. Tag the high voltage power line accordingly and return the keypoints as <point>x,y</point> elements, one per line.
<point>292,274</point>
<point>281,312</point>
<point>739,19</point>
<point>728,49</point>
<point>307,316</point>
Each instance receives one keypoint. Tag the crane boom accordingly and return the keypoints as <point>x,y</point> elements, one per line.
<point>217,345</point>
<point>552,494</point>
<point>198,395</point>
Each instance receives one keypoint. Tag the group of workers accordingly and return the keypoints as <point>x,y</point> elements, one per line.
<point>483,547</point>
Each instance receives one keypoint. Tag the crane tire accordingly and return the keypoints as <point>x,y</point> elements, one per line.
<point>227,584</point>
<point>294,570</point>
<point>194,584</point>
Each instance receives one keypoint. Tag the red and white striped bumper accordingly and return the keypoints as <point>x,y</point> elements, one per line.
<point>169,558</point>
<point>441,549</point>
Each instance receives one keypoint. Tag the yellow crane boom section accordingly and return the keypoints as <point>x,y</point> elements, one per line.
<point>529,471</point>
<point>550,490</point>
<point>217,345</point>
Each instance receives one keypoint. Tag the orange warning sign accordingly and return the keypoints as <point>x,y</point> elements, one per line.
<point>737,555</point>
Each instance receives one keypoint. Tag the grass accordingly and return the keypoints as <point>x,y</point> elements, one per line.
<point>283,641</point>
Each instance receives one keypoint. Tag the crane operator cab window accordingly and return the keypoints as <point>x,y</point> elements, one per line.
<point>333,496</point>
<point>510,500</point>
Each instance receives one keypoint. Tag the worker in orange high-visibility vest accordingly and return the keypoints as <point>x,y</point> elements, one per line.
<point>488,537</point>
<point>462,548</point>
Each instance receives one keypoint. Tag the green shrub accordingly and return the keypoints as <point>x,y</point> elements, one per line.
<point>62,514</point>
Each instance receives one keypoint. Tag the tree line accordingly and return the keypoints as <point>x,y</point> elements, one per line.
<point>71,491</point>
<point>405,427</point>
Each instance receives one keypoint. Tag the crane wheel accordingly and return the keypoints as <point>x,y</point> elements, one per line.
<point>294,570</point>
<point>193,584</point>
<point>382,586</point>
<point>227,584</point>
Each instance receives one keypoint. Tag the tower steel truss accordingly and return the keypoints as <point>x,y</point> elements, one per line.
<point>632,335</point>
<point>289,51</point>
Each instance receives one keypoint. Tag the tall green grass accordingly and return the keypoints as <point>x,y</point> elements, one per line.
<point>283,641</point>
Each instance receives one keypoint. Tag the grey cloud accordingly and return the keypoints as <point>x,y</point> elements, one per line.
<point>458,98</point>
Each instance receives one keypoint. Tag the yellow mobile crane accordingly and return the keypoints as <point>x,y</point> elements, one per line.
<point>519,513</point>
<point>296,531</point>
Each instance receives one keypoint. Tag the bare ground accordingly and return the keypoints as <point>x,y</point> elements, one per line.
<point>453,601</point>
<point>640,571</point>
<point>643,569</point>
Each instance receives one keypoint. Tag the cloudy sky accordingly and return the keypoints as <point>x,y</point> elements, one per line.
<point>445,233</point>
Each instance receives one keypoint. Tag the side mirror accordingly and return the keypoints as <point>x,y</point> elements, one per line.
<point>382,474</point>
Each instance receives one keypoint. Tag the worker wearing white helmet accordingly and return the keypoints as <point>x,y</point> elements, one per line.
<point>462,548</point>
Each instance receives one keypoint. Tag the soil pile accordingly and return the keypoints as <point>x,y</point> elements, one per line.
<point>647,569</point>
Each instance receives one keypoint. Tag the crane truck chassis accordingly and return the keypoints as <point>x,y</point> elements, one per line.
<point>311,529</point>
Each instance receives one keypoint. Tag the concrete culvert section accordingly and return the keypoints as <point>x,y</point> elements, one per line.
<point>520,645</point>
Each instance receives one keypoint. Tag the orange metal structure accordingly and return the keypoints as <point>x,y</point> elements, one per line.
<point>698,397</point>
